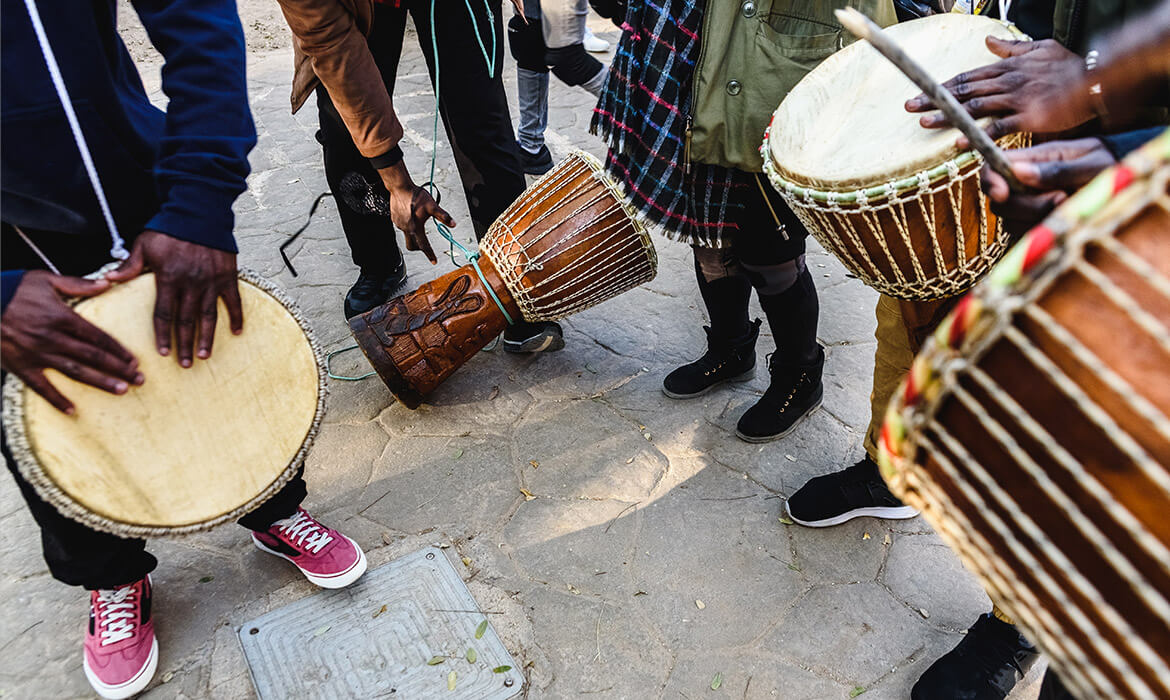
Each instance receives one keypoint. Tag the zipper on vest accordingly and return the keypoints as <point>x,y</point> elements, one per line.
<point>694,94</point>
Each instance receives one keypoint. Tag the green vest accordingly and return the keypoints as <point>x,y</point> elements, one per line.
<point>752,53</point>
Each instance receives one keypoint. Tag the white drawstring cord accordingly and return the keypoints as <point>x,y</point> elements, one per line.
<point>118,246</point>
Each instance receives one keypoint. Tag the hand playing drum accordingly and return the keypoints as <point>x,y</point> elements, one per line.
<point>1052,171</point>
<point>1019,93</point>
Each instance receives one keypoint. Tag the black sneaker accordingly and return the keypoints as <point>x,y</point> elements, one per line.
<point>542,336</point>
<point>795,392</point>
<point>839,497</point>
<point>985,665</point>
<point>373,289</point>
<point>725,361</point>
<point>537,163</point>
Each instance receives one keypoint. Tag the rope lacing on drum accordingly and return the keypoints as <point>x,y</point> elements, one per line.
<point>116,611</point>
<point>304,531</point>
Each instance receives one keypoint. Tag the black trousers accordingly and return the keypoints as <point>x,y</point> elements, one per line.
<point>474,109</point>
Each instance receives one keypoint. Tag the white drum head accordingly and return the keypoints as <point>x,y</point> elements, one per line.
<point>844,126</point>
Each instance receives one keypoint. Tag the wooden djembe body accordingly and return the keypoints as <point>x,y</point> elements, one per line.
<point>1033,432</point>
<point>568,243</point>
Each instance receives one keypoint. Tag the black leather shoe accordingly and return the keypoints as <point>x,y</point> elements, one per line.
<point>726,360</point>
<point>373,290</point>
<point>836,498</point>
<point>542,336</point>
<point>985,665</point>
<point>537,163</point>
<point>795,392</point>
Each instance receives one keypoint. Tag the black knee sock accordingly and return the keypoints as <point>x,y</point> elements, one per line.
<point>726,300</point>
<point>792,316</point>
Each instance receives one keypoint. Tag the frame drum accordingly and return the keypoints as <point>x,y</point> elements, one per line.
<point>190,448</point>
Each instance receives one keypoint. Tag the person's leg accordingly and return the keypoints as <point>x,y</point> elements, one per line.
<point>475,114</point>
<point>362,201</point>
<point>731,338</point>
<point>564,34</point>
<point>78,555</point>
<point>280,526</point>
<point>474,105</point>
<point>526,41</point>
<point>120,653</point>
<point>859,490</point>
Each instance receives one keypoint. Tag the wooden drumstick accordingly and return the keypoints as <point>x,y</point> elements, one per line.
<point>864,28</point>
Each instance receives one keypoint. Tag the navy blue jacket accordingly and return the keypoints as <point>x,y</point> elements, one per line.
<point>176,171</point>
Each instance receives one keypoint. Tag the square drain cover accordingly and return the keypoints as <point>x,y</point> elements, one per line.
<point>375,639</point>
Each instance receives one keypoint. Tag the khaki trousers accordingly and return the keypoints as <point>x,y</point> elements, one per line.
<point>902,328</point>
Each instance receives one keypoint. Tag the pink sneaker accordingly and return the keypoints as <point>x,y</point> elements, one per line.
<point>121,653</point>
<point>326,557</point>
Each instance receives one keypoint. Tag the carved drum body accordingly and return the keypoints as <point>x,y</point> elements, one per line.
<point>568,243</point>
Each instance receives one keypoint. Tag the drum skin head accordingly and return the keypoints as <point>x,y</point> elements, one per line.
<point>844,126</point>
<point>190,446</point>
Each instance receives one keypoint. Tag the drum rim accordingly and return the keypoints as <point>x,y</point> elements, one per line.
<point>908,175</point>
<point>12,416</point>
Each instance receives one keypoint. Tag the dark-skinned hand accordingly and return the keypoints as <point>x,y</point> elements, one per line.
<point>1052,171</point>
<point>40,331</point>
<point>1018,93</point>
<point>189,280</point>
<point>410,207</point>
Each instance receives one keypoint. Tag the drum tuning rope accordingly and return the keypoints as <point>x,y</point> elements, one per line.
<point>490,60</point>
<point>117,245</point>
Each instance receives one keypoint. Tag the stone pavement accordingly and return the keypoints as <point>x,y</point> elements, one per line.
<point>650,557</point>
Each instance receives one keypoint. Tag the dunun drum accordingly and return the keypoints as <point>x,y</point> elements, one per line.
<point>190,448</point>
<point>568,243</point>
<point>1033,431</point>
<point>898,204</point>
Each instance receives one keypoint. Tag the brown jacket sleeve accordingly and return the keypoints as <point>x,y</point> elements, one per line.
<point>329,34</point>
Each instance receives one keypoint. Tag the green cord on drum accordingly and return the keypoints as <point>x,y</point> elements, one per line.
<point>471,257</point>
<point>342,377</point>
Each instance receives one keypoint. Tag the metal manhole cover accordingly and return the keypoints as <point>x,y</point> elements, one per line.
<point>340,644</point>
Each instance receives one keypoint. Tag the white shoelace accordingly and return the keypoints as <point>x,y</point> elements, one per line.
<point>307,533</point>
<point>116,615</point>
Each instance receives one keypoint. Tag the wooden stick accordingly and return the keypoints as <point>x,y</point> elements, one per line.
<point>864,28</point>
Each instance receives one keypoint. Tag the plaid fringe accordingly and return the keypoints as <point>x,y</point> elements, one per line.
<point>642,115</point>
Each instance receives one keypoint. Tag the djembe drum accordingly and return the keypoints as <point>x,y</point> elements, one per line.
<point>190,448</point>
<point>899,205</point>
<point>1033,432</point>
<point>568,243</point>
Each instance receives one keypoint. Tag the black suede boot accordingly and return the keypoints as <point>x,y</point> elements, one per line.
<point>795,392</point>
<point>795,389</point>
<point>726,360</point>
